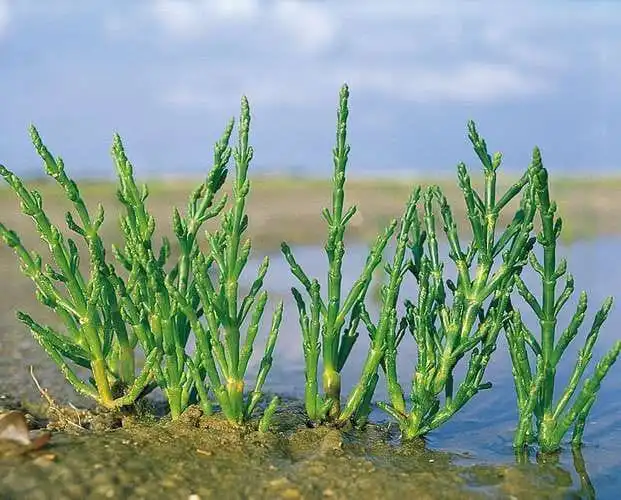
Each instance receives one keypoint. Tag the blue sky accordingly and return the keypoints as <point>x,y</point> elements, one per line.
<point>167,74</point>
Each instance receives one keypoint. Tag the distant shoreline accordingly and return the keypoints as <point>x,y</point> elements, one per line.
<point>388,175</point>
<point>289,208</point>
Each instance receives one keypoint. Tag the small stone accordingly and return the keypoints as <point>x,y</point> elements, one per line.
<point>332,442</point>
<point>44,460</point>
<point>191,416</point>
<point>281,481</point>
<point>291,494</point>
<point>13,427</point>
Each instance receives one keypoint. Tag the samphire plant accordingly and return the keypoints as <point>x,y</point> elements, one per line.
<point>153,305</point>
<point>152,296</point>
<point>329,324</point>
<point>446,329</point>
<point>543,420</point>
<point>95,335</point>
<point>443,332</point>
<point>223,351</point>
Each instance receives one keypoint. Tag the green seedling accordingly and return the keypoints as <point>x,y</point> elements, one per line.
<point>542,419</point>
<point>329,325</point>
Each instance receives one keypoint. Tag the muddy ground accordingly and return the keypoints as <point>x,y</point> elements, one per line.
<point>202,457</point>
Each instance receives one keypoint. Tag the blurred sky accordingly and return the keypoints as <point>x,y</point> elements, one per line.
<point>167,74</point>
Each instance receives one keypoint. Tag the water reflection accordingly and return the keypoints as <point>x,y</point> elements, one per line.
<point>577,468</point>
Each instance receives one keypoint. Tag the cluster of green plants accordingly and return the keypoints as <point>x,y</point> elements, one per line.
<point>143,302</point>
<point>130,320</point>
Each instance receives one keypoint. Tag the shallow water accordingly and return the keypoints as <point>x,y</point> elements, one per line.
<point>478,439</point>
<point>482,432</point>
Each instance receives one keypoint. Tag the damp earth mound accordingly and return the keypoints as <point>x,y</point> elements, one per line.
<point>204,457</point>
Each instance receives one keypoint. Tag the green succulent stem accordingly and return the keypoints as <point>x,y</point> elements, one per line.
<point>383,335</point>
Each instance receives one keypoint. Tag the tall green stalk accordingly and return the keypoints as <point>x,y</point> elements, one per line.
<point>541,419</point>
<point>323,325</point>
<point>384,336</point>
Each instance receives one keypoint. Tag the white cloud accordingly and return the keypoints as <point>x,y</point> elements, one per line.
<point>4,16</point>
<point>194,18</point>
<point>291,90</point>
<point>470,82</point>
<point>234,9</point>
<point>288,51</point>
<point>181,18</point>
<point>310,25</point>
<point>302,88</point>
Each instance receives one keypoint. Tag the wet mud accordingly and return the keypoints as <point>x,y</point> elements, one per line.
<point>202,457</point>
